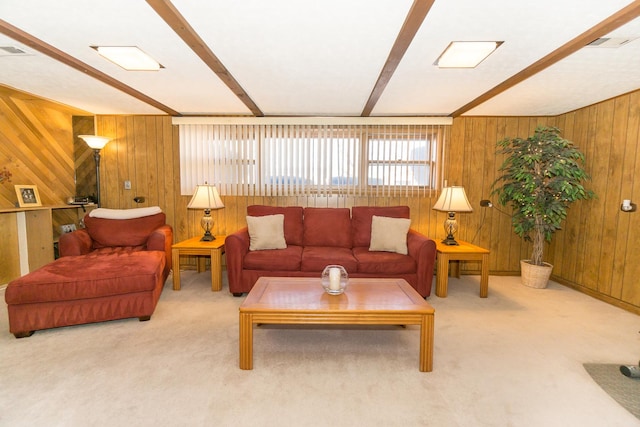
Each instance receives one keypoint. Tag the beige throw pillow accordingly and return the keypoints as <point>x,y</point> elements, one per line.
<point>389,234</point>
<point>266,232</point>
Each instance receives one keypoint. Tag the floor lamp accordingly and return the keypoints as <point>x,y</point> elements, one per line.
<point>97,143</point>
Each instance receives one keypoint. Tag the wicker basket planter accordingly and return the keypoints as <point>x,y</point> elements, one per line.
<point>535,276</point>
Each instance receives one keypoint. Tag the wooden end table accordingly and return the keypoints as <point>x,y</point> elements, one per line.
<point>463,252</point>
<point>194,246</point>
<point>302,300</point>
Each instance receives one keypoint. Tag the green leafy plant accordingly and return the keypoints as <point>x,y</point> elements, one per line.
<point>539,178</point>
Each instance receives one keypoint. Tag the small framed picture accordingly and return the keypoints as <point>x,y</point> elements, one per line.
<point>28,196</point>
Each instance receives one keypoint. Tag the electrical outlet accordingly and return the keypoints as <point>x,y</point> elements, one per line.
<point>67,228</point>
<point>127,185</point>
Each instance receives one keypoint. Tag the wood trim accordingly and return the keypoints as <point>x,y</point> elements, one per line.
<point>43,47</point>
<point>616,20</point>
<point>167,11</point>
<point>412,23</point>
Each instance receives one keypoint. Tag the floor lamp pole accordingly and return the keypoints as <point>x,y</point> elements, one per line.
<point>96,157</point>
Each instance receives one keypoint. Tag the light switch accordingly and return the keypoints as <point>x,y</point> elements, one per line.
<point>127,185</point>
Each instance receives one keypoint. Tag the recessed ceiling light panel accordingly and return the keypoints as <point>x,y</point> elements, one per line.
<point>465,54</point>
<point>611,42</point>
<point>131,58</point>
<point>13,51</point>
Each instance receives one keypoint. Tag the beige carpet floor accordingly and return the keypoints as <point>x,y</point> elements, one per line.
<point>513,359</point>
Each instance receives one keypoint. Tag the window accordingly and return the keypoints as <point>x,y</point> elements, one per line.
<point>402,157</point>
<point>307,159</point>
<point>310,160</point>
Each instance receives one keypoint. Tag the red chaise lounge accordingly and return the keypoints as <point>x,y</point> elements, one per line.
<point>115,268</point>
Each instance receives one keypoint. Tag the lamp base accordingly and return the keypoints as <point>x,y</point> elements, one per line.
<point>450,241</point>
<point>208,237</point>
<point>450,227</point>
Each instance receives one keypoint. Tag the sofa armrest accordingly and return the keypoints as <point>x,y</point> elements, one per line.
<point>423,250</point>
<point>236,246</point>
<point>161,239</point>
<point>75,243</point>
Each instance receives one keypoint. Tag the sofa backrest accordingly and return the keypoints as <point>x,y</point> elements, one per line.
<point>293,228</point>
<point>361,220</point>
<point>122,232</point>
<point>327,227</point>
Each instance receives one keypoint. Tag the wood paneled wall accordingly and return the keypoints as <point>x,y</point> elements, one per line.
<point>36,146</point>
<point>598,249</point>
<point>596,252</point>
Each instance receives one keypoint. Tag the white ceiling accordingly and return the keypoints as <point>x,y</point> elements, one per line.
<point>302,58</point>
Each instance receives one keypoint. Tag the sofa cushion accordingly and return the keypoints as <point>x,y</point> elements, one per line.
<point>383,263</point>
<point>327,227</point>
<point>316,258</point>
<point>293,231</point>
<point>266,232</point>
<point>122,232</point>
<point>288,259</point>
<point>389,234</point>
<point>88,276</point>
<point>361,220</point>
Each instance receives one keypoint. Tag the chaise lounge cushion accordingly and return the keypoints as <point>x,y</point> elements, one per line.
<point>99,276</point>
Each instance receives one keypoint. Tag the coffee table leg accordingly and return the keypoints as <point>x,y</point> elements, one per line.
<point>246,341</point>
<point>426,343</point>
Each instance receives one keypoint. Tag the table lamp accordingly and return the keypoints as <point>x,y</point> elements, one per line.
<point>452,200</point>
<point>206,197</point>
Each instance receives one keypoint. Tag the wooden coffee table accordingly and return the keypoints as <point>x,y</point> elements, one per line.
<point>289,300</point>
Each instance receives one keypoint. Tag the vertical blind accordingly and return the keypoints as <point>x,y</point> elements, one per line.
<point>311,159</point>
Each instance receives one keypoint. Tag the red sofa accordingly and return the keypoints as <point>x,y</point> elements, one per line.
<point>317,237</point>
<point>112,269</point>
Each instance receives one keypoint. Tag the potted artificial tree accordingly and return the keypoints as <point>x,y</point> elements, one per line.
<point>539,178</point>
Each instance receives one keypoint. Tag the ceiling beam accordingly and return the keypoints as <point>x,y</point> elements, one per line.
<point>616,20</point>
<point>45,48</point>
<point>179,24</point>
<point>412,23</point>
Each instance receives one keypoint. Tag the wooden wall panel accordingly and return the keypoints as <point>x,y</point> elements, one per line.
<point>36,146</point>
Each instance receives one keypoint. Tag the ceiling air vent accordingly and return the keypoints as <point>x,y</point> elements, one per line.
<point>11,50</point>
<point>611,41</point>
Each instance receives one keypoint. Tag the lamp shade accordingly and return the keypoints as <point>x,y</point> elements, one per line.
<point>94,141</point>
<point>453,199</point>
<point>205,197</point>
